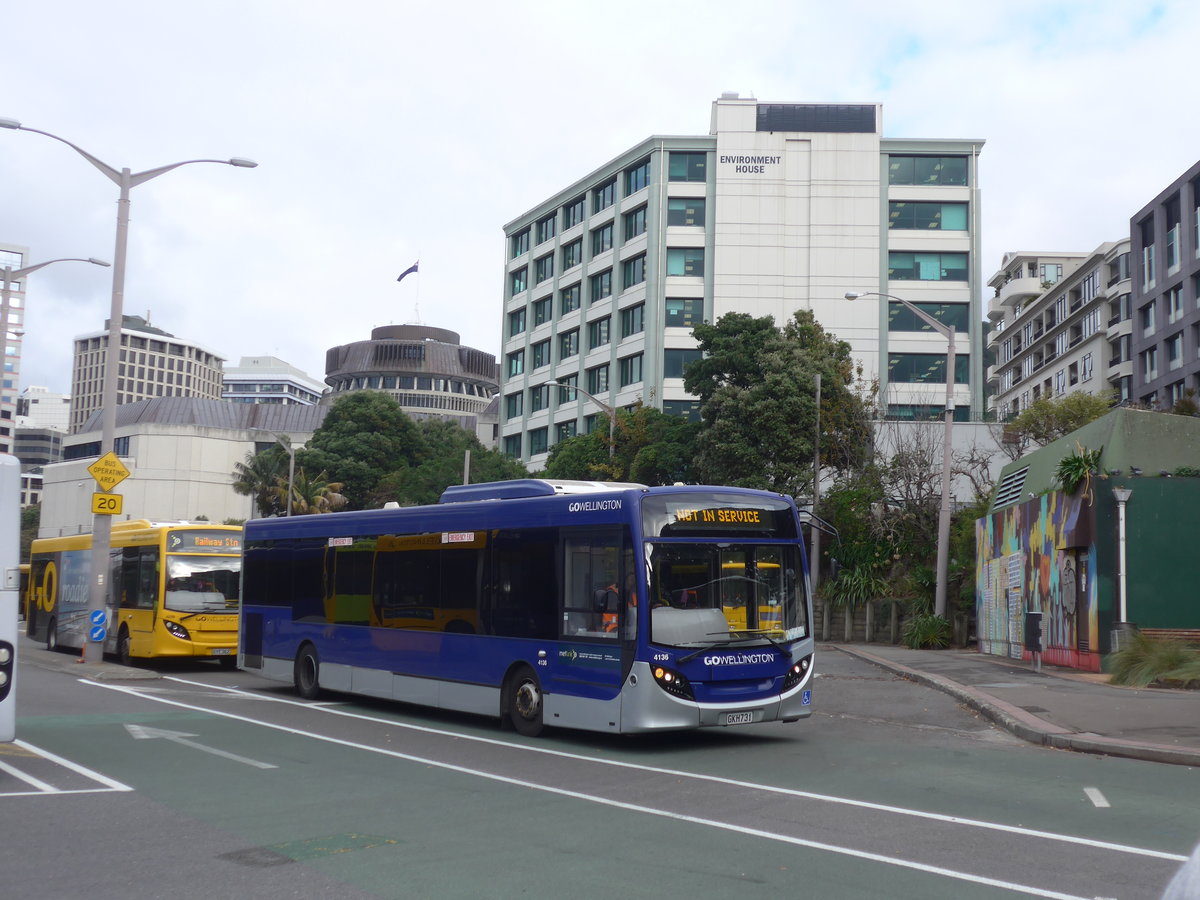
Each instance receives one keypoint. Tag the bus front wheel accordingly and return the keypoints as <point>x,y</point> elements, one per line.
<point>524,702</point>
<point>307,673</point>
<point>123,647</point>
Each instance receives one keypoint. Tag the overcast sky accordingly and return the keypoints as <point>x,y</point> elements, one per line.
<point>388,132</point>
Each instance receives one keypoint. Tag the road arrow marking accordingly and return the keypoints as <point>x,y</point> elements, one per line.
<point>143,732</point>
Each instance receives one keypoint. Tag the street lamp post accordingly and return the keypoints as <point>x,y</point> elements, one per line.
<point>12,275</point>
<point>125,181</point>
<point>943,540</point>
<point>285,441</point>
<point>608,411</point>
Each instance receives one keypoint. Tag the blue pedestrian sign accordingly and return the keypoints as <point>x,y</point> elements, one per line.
<point>97,633</point>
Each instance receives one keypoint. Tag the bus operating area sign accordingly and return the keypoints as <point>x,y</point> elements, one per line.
<point>108,471</point>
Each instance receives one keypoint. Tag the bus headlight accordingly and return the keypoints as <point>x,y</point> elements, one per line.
<point>178,630</point>
<point>673,683</point>
<point>796,673</point>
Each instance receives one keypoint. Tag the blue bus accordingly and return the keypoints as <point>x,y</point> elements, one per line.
<point>605,607</point>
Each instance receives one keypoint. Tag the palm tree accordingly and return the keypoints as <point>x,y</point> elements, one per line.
<point>310,495</point>
<point>258,476</point>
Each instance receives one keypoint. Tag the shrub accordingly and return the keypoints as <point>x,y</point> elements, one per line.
<point>1148,661</point>
<point>925,630</point>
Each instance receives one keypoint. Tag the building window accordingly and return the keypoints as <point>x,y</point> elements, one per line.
<point>1175,351</point>
<point>675,361</point>
<point>597,379</point>
<point>520,243</point>
<point>1150,364</point>
<point>604,195</point>
<point>1051,272</point>
<point>570,299</point>
<point>598,332</point>
<point>924,216</point>
<point>956,315</point>
<point>919,368</point>
<point>573,213</point>
<point>685,409</point>
<point>541,354</point>
<point>541,311</point>
<point>687,166</point>
<point>564,430</point>
<point>572,254</point>
<point>543,269</point>
<point>568,344</point>
<point>1146,230</point>
<point>633,320</point>
<point>631,370</point>
<point>516,362</point>
<point>687,261</point>
<point>684,312</point>
<point>567,391</point>
<point>546,228</point>
<point>637,177</point>
<point>516,322</point>
<point>519,280</point>
<point>512,446</point>
<point>904,266</point>
<point>537,441</point>
<point>633,271</point>
<point>602,239</point>
<point>600,285</point>
<point>539,398</point>
<point>685,211</point>
<point>1174,304</point>
<point>1173,248</point>
<point>514,405</point>
<point>1146,314</point>
<point>944,170</point>
<point>635,223</point>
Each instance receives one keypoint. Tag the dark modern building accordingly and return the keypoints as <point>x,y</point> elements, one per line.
<point>1165,249</point>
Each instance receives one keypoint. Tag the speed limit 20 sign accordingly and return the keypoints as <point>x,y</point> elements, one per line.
<point>106,504</point>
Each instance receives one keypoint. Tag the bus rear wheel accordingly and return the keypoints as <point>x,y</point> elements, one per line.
<point>123,647</point>
<point>306,675</point>
<point>523,704</point>
<point>52,635</point>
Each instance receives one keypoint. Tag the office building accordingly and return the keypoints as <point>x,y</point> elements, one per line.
<point>1165,333</point>
<point>1060,324</point>
<point>12,327</point>
<point>153,363</point>
<point>265,379</point>
<point>428,372</point>
<point>781,207</point>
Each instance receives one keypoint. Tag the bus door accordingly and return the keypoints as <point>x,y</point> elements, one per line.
<point>137,589</point>
<point>598,616</point>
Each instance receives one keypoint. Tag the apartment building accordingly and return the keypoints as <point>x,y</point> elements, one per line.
<point>12,322</point>
<point>267,379</point>
<point>781,207</point>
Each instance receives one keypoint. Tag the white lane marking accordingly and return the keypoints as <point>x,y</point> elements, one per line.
<point>618,804</point>
<point>28,779</point>
<point>695,776</point>
<point>143,733</point>
<point>75,767</point>
<point>1097,798</point>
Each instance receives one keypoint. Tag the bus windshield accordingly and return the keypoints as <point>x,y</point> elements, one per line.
<point>703,594</point>
<point>202,583</point>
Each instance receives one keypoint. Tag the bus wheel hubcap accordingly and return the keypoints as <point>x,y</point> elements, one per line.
<point>528,700</point>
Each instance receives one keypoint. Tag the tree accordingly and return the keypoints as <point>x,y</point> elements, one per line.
<point>365,436</point>
<point>649,447</point>
<point>1049,419</point>
<point>310,495</point>
<point>757,387</point>
<point>31,517</point>
<point>258,477</point>
<point>446,444</point>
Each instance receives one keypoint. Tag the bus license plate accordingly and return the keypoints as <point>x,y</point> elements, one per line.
<point>222,651</point>
<point>739,718</point>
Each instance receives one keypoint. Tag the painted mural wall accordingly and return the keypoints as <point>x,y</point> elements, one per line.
<point>1039,555</point>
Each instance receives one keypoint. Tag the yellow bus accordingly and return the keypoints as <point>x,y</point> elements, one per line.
<point>173,590</point>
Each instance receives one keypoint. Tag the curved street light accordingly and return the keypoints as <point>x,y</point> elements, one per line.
<point>125,180</point>
<point>608,411</point>
<point>12,275</point>
<point>943,540</point>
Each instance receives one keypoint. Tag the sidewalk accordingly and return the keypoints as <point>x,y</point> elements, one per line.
<point>1056,707</point>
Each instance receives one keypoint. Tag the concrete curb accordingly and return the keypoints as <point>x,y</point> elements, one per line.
<point>1029,727</point>
<point>72,665</point>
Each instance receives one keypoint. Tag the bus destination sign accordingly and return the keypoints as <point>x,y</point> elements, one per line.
<point>204,542</point>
